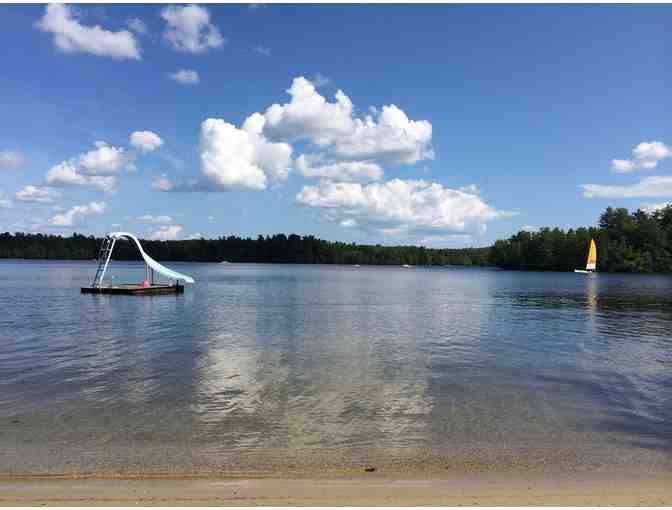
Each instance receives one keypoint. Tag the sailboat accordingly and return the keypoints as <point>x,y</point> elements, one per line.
<point>591,263</point>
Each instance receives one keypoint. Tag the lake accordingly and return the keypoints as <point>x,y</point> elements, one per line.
<point>290,367</point>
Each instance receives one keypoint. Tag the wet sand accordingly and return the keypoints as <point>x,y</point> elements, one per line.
<point>488,476</point>
<point>621,489</point>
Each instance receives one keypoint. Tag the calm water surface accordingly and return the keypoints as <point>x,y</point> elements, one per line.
<point>261,365</point>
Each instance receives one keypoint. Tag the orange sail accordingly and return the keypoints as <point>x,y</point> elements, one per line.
<point>591,264</point>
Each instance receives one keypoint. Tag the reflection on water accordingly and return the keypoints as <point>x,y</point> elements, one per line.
<point>258,357</point>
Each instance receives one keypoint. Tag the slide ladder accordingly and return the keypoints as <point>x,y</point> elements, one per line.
<point>103,260</point>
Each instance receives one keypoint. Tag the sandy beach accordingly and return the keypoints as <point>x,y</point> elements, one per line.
<point>369,489</point>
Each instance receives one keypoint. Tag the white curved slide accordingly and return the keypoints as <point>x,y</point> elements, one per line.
<point>169,273</point>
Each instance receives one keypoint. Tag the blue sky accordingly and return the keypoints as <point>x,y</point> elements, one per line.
<point>501,114</point>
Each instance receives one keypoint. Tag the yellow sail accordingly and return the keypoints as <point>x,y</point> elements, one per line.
<point>591,263</point>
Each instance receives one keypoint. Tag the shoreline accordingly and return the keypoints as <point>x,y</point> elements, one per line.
<point>591,489</point>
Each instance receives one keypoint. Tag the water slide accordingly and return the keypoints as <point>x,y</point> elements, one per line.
<point>169,273</point>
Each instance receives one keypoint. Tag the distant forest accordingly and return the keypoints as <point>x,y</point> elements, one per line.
<point>626,242</point>
<point>637,242</point>
<point>271,249</point>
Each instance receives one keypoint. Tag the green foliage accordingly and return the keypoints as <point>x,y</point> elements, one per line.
<point>639,242</point>
<point>626,242</point>
<point>277,248</point>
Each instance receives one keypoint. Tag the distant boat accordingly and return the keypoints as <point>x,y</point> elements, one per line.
<point>406,265</point>
<point>356,265</point>
<point>225,262</point>
<point>591,263</point>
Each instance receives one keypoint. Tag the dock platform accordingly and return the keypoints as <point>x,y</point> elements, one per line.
<point>135,289</point>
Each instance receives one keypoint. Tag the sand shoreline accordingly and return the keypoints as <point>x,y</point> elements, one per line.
<point>581,489</point>
<point>488,476</point>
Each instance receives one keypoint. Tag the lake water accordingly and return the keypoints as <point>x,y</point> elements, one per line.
<point>282,367</point>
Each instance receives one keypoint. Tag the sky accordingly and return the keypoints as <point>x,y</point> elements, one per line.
<point>443,125</point>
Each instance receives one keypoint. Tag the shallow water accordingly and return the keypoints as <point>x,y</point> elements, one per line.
<point>272,365</point>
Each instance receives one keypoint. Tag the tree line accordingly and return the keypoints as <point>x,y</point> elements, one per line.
<point>279,248</point>
<point>626,242</point>
<point>638,242</point>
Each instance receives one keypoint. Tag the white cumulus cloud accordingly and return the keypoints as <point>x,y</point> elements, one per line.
<point>166,232</point>
<point>388,135</point>
<point>241,158</point>
<point>344,171</point>
<point>11,159</point>
<point>145,141</point>
<point>99,167</point>
<point>233,158</point>
<point>401,208</point>
<point>309,115</point>
<point>189,29</point>
<point>67,174</point>
<point>71,36</point>
<point>645,156</point>
<point>646,187</point>
<point>155,220</point>
<point>186,77</point>
<point>74,216</point>
<point>103,160</point>
<point>40,194</point>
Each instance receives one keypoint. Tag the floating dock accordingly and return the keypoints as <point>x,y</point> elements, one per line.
<point>148,287</point>
<point>135,289</point>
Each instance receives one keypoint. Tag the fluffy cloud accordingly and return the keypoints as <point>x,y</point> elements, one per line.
<point>344,148</point>
<point>155,220</point>
<point>71,36</point>
<point>646,187</point>
<point>309,116</point>
<point>186,77</point>
<point>345,171</point>
<point>166,232</point>
<point>145,141</point>
<point>40,194</point>
<point>67,174</point>
<point>233,158</point>
<point>388,135</point>
<point>74,216</point>
<point>99,167</point>
<point>11,159</point>
<point>645,156</point>
<point>392,138</point>
<point>103,160</point>
<point>241,158</point>
<point>401,208</point>
<point>189,29</point>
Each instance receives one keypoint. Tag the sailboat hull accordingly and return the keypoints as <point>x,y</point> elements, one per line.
<point>591,263</point>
